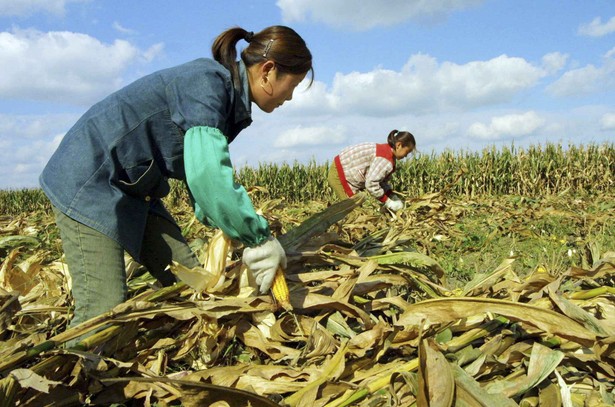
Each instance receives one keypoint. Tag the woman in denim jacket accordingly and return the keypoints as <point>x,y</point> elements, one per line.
<point>109,173</point>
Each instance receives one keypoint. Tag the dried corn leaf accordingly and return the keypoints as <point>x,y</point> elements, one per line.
<point>211,276</point>
<point>577,313</point>
<point>436,382</point>
<point>542,363</point>
<point>19,277</point>
<point>190,393</point>
<point>445,310</point>
<point>368,340</point>
<point>469,392</point>
<point>550,396</point>
<point>254,338</point>
<point>28,379</point>
<point>332,370</point>
<point>346,284</point>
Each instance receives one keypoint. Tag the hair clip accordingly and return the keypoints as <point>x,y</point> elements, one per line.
<point>267,48</point>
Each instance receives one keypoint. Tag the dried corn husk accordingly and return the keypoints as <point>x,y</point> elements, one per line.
<point>211,277</point>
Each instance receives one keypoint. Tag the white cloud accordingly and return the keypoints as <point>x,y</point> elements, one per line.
<point>487,82</point>
<point>29,7</point>
<point>63,66</point>
<point>18,128</point>
<point>371,13</point>
<point>508,126</point>
<point>27,142</point>
<point>423,86</point>
<point>152,52</point>
<point>121,29</point>
<point>596,28</point>
<point>314,100</point>
<point>586,80</point>
<point>310,136</point>
<point>554,62</point>
<point>607,121</point>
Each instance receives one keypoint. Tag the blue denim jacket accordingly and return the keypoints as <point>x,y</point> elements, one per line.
<point>113,165</point>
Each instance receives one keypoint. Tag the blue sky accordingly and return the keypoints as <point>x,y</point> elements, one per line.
<point>458,74</point>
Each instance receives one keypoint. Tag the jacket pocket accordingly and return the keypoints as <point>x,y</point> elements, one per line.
<point>144,180</point>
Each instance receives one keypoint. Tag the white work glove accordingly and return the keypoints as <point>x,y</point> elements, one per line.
<point>263,261</point>
<point>394,203</point>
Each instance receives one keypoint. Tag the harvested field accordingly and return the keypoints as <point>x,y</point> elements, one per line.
<point>495,300</point>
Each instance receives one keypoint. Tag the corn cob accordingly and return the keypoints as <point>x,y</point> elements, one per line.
<point>279,289</point>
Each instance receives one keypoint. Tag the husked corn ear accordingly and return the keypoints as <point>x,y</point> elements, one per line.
<point>279,289</point>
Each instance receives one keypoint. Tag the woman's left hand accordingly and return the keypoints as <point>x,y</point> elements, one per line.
<point>394,203</point>
<point>263,261</point>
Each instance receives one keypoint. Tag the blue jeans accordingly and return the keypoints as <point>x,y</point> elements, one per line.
<point>96,262</point>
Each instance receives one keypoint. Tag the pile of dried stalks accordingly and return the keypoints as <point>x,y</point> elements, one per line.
<point>374,323</point>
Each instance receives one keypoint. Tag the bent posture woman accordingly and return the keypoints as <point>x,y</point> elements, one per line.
<point>109,173</point>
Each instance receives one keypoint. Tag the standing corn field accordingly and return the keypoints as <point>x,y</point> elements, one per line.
<point>533,171</point>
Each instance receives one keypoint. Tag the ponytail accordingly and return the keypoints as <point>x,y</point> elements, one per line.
<point>224,50</point>
<point>280,44</point>
<point>404,137</point>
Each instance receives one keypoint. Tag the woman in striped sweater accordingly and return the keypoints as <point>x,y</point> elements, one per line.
<point>368,166</point>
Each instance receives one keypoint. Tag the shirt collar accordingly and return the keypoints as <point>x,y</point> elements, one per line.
<point>243,109</point>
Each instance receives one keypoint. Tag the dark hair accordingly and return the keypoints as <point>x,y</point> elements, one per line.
<point>278,43</point>
<point>404,137</point>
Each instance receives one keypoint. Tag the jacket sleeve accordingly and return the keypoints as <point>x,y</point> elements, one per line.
<point>375,179</point>
<point>217,198</point>
<point>202,95</point>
